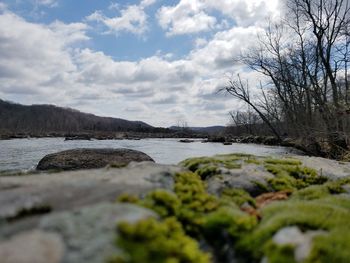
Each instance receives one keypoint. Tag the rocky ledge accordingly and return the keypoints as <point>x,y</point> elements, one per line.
<point>225,208</point>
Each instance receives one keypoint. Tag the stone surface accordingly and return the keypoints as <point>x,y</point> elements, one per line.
<point>331,169</point>
<point>74,189</point>
<point>32,247</point>
<point>89,232</point>
<point>70,217</point>
<point>91,158</point>
<point>246,178</point>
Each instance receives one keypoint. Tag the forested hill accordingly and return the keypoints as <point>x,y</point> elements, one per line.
<point>39,119</point>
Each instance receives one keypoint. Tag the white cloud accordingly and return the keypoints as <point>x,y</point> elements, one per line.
<point>145,3</point>
<point>200,42</point>
<point>50,64</point>
<point>220,51</point>
<point>69,33</point>
<point>192,16</point>
<point>186,17</point>
<point>48,3</point>
<point>132,19</point>
<point>33,55</point>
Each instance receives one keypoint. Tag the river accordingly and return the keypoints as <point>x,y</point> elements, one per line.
<point>24,154</point>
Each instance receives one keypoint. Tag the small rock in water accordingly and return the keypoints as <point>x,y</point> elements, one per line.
<point>91,158</point>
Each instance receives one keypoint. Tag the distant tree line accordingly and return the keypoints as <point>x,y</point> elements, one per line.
<point>41,119</point>
<point>305,60</point>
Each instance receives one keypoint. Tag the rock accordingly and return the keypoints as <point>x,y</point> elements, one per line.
<point>85,137</point>
<point>89,232</point>
<point>91,158</point>
<point>301,241</point>
<point>331,169</point>
<point>248,177</point>
<point>186,141</point>
<point>34,246</point>
<point>73,189</point>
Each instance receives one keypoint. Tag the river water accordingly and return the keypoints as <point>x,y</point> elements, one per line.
<point>24,154</point>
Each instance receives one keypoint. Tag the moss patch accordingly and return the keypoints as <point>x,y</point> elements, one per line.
<point>128,198</point>
<point>331,213</point>
<point>208,166</point>
<point>333,247</point>
<point>228,219</point>
<point>279,253</point>
<point>195,201</point>
<point>165,203</point>
<point>238,196</point>
<point>290,177</point>
<point>228,229</point>
<point>151,241</point>
<point>287,161</point>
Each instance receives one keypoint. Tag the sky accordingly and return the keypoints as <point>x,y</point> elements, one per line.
<point>158,61</point>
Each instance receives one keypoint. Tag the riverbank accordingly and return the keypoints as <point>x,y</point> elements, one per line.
<point>314,146</point>
<point>210,209</point>
<point>127,135</point>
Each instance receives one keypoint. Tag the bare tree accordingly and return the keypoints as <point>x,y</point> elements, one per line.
<point>240,90</point>
<point>306,59</point>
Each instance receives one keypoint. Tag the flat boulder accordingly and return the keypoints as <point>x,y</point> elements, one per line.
<point>76,159</point>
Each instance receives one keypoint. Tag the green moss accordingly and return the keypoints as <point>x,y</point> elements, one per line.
<point>315,204</point>
<point>287,161</point>
<point>332,247</point>
<point>230,220</point>
<point>117,165</point>
<point>223,227</point>
<point>193,163</point>
<point>336,187</point>
<point>340,201</point>
<point>128,198</point>
<point>238,196</point>
<point>195,201</point>
<point>329,213</point>
<point>279,253</point>
<point>231,165</point>
<point>151,241</point>
<point>263,187</point>
<point>282,182</point>
<point>237,156</point>
<point>208,166</point>
<point>311,192</point>
<point>165,203</point>
<point>321,191</point>
<point>207,171</point>
<point>290,177</point>
<point>252,161</point>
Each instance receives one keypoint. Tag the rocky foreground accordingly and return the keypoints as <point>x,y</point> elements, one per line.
<point>226,208</point>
